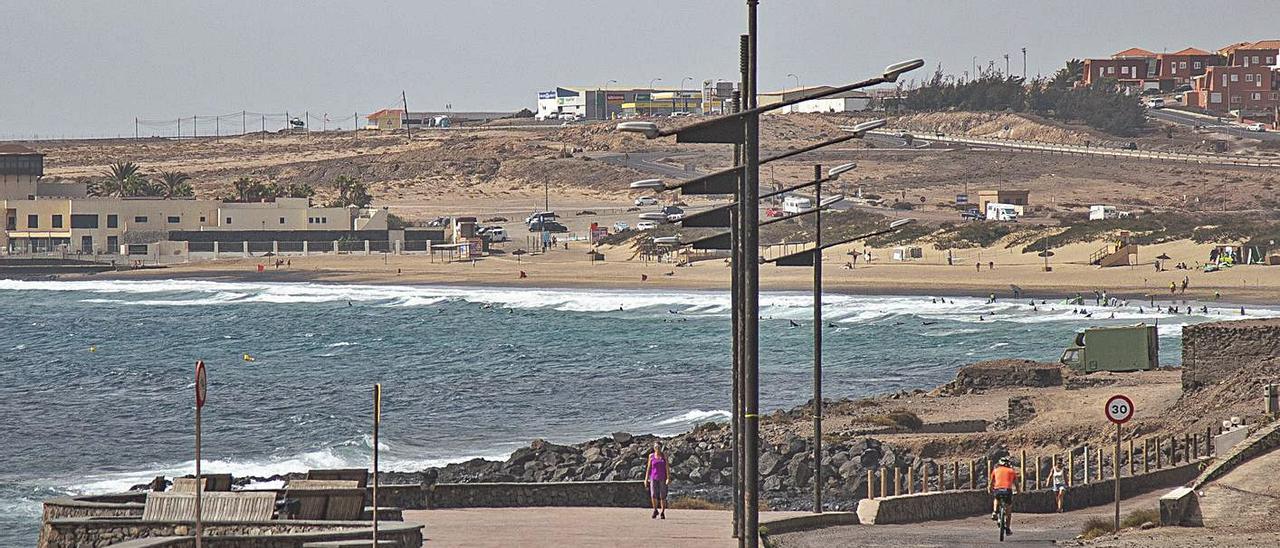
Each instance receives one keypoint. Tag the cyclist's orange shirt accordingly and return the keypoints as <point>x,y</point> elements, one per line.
<point>1003,477</point>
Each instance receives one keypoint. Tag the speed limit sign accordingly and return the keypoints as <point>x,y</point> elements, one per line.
<point>1119,409</point>
<point>202,384</point>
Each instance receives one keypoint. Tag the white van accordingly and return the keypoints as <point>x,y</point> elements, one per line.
<point>1003,212</point>
<point>1155,103</point>
<point>796,204</point>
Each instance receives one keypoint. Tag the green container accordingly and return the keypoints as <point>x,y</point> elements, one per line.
<point>1124,348</point>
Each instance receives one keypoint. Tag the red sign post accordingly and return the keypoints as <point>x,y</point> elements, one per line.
<point>202,390</point>
<point>1119,409</point>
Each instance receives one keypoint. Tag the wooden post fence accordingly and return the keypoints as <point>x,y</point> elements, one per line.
<point>871,486</point>
<point>1071,467</point>
<point>897,481</point>
<point>972,483</point>
<point>884,483</point>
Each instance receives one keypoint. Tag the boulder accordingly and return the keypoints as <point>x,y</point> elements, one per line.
<point>770,463</point>
<point>622,438</point>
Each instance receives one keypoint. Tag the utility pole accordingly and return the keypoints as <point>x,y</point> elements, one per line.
<point>751,288</point>
<point>244,128</point>
<point>1024,64</point>
<point>135,127</point>
<point>306,120</point>
<point>194,125</point>
<point>1006,65</point>
<point>217,127</point>
<point>178,133</point>
<point>405,102</point>
<point>264,127</point>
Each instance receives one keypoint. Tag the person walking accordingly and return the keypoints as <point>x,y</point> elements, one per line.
<point>656,479</point>
<point>1059,484</point>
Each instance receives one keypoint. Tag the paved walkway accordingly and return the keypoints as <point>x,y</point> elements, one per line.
<point>535,527</point>
<point>1246,498</point>
<point>1029,529</point>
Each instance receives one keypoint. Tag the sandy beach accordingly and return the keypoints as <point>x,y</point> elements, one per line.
<point>1252,284</point>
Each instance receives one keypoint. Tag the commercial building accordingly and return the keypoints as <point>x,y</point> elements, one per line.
<point>42,216</point>
<point>609,102</point>
<point>1011,197</point>
<point>849,101</point>
<point>394,119</point>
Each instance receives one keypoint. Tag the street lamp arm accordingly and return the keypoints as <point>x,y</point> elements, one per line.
<point>765,160</point>
<point>892,228</point>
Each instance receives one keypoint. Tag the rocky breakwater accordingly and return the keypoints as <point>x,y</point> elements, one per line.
<point>701,466</point>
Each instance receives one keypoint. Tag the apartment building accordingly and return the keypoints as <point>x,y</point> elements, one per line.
<point>1139,69</point>
<point>41,216</point>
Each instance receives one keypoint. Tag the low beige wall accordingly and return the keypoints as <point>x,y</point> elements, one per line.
<point>79,532</point>
<point>941,505</point>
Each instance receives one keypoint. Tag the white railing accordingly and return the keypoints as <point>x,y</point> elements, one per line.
<point>1206,159</point>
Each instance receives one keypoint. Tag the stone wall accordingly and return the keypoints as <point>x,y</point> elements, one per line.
<point>88,532</point>
<point>1004,373</point>
<point>106,506</point>
<point>941,505</point>
<point>1212,351</point>
<point>566,493</point>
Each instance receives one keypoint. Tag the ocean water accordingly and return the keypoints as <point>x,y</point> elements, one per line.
<point>96,377</point>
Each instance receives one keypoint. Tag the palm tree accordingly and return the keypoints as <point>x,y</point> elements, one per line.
<point>351,193</point>
<point>174,184</point>
<point>118,176</point>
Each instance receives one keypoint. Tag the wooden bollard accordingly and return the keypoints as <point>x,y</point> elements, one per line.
<point>987,478</point>
<point>1159,454</point>
<point>1097,472</point>
<point>884,483</point>
<point>1071,468</point>
<point>1146,455</point>
<point>1195,446</point>
<point>972,482</point>
<point>897,481</point>
<point>1087,462</point>
<point>871,486</point>
<point>924,482</point>
<point>1208,441</point>
<point>1186,447</point>
<point>1022,471</point>
<point>1038,484</point>
<point>1132,466</point>
<point>911,480</point>
<point>955,476</point>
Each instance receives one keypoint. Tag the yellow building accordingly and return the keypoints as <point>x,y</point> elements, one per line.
<point>42,217</point>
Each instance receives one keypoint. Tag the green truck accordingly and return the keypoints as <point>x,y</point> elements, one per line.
<point>1122,348</point>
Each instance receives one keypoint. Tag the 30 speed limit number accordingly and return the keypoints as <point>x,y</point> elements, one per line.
<point>1119,409</point>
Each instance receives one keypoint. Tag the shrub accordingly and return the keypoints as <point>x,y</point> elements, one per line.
<point>1095,527</point>
<point>1139,517</point>
<point>898,418</point>
<point>695,503</point>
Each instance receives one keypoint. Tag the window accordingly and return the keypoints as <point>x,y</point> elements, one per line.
<point>228,220</point>
<point>1215,97</point>
<point>202,218</point>
<point>173,219</point>
<point>57,221</point>
<point>84,221</point>
<point>1224,79</point>
<point>140,219</point>
<point>1257,96</point>
<point>1235,77</point>
<point>33,221</point>
<point>113,244</point>
<point>324,220</point>
<point>1124,70</point>
<point>282,220</point>
<point>1195,65</point>
<point>1248,77</point>
<point>1182,64</point>
<point>1235,98</point>
<point>1275,96</point>
<point>1111,70</point>
<point>1271,60</point>
<point>1255,59</point>
<point>113,221</point>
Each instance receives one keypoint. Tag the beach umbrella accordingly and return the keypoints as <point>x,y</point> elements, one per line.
<point>1045,253</point>
<point>518,253</point>
<point>1164,257</point>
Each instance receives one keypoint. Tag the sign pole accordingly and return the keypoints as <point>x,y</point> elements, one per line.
<point>201,391</point>
<point>1115,466</point>
<point>377,419</point>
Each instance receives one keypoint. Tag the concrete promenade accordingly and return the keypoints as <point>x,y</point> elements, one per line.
<point>559,527</point>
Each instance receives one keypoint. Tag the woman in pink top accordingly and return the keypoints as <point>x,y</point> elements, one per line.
<point>656,479</point>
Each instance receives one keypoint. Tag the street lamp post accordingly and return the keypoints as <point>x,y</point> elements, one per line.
<point>743,128</point>
<point>684,103</point>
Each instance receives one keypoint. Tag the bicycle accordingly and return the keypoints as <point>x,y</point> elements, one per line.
<point>1002,513</point>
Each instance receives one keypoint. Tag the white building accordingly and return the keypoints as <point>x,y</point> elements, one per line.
<point>849,101</point>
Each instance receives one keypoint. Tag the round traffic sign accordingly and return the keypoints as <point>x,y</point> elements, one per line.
<point>202,384</point>
<point>1119,409</point>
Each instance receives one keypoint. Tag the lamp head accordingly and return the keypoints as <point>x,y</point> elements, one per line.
<point>869,125</point>
<point>834,173</point>
<point>892,72</point>
<point>649,184</point>
<point>649,129</point>
<point>667,240</point>
<point>901,223</point>
<point>828,202</point>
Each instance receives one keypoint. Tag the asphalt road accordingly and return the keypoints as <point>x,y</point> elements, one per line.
<point>1229,128</point>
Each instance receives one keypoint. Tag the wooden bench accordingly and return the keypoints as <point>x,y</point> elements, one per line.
<point>212,482</point>
<point>341,500</point>
<point>214,506</point>
<point>359,475</point>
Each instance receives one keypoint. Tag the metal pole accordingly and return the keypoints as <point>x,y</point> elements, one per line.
<point>817,340</point>
<point>736,260</point>
<point>377,420</point>
<point>1115,467</point>
<point>751,287</point>
<point>199,483</point>
<point>135,128</point>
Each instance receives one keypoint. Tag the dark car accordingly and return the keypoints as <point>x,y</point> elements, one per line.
<point>672,210</point>
<point>971,215</point>
<point>548,226</point>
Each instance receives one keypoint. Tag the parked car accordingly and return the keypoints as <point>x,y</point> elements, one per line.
<point>1256,126</point>
<point>1183,87</point>
<point>1155,103</point>
<point>773,212</point>
<point>548,226</point>
<point>971,215</point>
<point>495,234</point>
<point>621,226</point>
<point>541,217</point>
<point>646,201</point>
<point>675,217</point>
<point>672,210</point>
<point>439,221</point>
<point>680,114</point>
<point>646,225</point>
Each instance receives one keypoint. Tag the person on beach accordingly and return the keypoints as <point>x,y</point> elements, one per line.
<point>1059,484</point>
<point>656,479</point>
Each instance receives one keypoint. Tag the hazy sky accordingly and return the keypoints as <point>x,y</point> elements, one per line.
<point>89,68</point>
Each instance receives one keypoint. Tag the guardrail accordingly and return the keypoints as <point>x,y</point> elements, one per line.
<point>1033,146</point>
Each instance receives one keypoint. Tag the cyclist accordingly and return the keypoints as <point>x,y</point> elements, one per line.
<point>1002,485</point>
